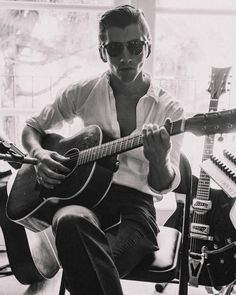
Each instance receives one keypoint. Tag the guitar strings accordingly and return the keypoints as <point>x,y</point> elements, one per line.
<point>106,149</point>
<point>117,146</point>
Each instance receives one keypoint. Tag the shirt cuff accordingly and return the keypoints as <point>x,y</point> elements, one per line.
<point>174,184</point>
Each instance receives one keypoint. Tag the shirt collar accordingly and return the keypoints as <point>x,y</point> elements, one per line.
<point>153,90</point>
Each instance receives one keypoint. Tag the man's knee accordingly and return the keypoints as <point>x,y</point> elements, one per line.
<point>73,215</point>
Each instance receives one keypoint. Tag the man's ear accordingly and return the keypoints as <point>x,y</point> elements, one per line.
<point>148,50</point>
<point>102,54</point>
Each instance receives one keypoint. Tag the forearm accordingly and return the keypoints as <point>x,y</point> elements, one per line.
<point>160,175</point>
<point>31,140</point>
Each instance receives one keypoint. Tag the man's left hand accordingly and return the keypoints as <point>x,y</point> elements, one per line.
<point>156,143</point>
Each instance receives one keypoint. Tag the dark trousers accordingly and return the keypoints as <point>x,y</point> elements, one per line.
<point>94,260</point>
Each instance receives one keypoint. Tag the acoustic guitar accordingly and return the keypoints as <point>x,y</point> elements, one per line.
<point>92,164</point>
<point>32,256</point>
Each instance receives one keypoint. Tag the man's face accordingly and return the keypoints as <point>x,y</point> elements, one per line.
<point>128,61</point>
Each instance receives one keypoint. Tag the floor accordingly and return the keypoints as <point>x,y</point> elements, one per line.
<point>10,286</point>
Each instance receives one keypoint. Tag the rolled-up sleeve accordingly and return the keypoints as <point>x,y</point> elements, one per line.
<point>53,115</point>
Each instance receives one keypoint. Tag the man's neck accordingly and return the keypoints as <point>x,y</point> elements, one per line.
<point>138,87</point>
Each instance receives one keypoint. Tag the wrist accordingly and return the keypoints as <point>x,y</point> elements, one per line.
<point>35,152</point>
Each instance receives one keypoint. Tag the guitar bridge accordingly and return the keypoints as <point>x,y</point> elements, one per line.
<point>201,237</point>
<point>202,205</point>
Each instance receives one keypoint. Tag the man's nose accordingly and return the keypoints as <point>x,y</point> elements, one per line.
<point>125,56</point>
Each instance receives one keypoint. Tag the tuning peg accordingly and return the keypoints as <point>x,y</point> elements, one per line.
<point>220,138</point>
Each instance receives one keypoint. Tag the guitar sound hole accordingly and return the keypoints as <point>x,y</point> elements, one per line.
<point>73,154</point>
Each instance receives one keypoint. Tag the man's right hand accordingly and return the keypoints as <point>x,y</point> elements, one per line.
<point>50,169</point>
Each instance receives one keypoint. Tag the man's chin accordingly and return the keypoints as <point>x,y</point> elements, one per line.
<point>127,78</point>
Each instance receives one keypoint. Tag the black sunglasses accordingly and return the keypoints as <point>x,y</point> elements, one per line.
<point>115,49</point>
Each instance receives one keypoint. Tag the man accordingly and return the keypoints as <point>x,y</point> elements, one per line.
<point>99,246</point>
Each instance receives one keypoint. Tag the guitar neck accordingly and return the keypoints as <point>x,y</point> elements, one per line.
<point>200,124</point>
<point>200,229</point>
<point>203,188</point>
<point>124,144</point>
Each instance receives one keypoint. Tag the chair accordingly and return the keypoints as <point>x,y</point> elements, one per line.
<point>171,261</point>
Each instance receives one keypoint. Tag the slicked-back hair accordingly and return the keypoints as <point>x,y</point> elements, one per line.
<point>121,17</point>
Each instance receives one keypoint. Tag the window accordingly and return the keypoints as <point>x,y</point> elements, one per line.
<point>192,37</point>
<point>46,45</point>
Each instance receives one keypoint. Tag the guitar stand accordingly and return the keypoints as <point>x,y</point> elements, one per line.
<point>228,290</point>
<point>62,285</point>
<point>5,270</point>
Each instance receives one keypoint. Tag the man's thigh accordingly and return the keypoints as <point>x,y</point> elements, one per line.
<point>129,245</point>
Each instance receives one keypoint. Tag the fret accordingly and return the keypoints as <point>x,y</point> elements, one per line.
<point>113,147</point>
<point>92,154</point>
<point>129,143</point>
<point>213,105</point>
<point>201,194</point>
<point>203,184</point>
<point>204,175</point>
<point>202,191</point>
<point>101,152</point>
<point>132,140</point>
<point>109,149</point>
<point>106,149</point>
<point>203,197</point>
<point>204,181</point>
<point>119,146</point>
<point>176,127</point>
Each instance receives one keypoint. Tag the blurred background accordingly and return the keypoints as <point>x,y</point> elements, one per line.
<point>46,45</point>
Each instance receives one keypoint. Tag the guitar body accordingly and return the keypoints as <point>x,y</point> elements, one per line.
<point>221,265</point>
<point>33,206</point>
<point>32,256</point>
<point>218,267</point>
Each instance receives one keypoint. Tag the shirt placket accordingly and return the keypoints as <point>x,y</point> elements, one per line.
<point>140,116</point>
<point>114,120</point>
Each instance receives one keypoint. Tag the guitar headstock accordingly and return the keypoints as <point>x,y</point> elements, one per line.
<point>218,82</point>
<point>212,123</point>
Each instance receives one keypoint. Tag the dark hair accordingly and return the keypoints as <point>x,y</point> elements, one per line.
<point>122,16</point>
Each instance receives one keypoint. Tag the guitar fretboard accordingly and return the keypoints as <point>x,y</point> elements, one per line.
<point>123,144</point>
<point>110,148</point>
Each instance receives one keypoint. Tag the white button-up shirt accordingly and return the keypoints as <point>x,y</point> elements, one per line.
<point>93,101</point>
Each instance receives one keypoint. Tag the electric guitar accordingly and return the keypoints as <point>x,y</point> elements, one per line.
<point>211,261</point>
<point>92,164</point>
